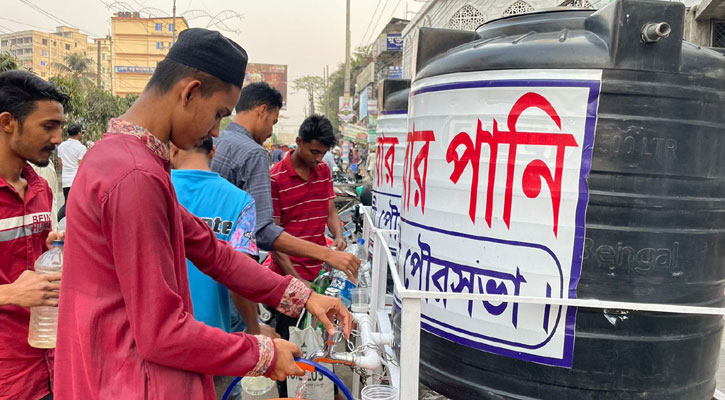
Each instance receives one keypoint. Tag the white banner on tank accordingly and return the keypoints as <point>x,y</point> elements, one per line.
<point>494,201</point>
<point>388,175</point>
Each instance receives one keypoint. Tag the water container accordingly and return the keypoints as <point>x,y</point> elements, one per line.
<point>390,154</point>
<point>361,251</point>
<point>567,154</point>
<point>379,392</point>
<point>388,177</point>
<point>43,319</point>
<point>340,281</point>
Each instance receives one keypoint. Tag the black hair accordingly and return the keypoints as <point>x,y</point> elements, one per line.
<point>257,94</point>
<point>74,129</point>
<point>206,146</point>
<point>168,72</point>
<point>19,90</point>
<point>317,127</point>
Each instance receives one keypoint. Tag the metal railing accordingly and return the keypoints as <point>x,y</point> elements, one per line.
<point>409,363</point>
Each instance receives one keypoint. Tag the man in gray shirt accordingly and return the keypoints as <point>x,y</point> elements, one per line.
<point>241,159</point>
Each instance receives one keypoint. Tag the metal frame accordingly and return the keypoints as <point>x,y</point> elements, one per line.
<point>407,383</point>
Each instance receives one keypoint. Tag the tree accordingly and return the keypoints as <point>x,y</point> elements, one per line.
<point>313,85</point>
<point>7,61</point>
<point>78,67</point>
<point>75,107</point>
<point>91,107</point>
<point>101,106</point>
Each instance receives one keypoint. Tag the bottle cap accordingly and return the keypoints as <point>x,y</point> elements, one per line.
<point>361,241</point>
<point>57,243</point>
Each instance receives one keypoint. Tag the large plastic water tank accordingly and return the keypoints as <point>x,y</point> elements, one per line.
<point>388,175</point>
<point>392,128</point>
<point>567,154</point>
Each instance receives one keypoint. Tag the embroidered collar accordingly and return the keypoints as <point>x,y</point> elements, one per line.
<point>119,126</point>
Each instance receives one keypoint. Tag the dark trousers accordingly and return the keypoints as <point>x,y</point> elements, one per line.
<point>61,212</point>
<point>282,328</point>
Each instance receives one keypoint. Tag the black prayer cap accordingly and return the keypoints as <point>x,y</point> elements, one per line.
<point>211,52</point>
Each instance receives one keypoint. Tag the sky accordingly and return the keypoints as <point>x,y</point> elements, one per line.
<point>306,35</point>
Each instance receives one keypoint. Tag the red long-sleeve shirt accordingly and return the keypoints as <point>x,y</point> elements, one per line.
<point>126,329</point>
<point>24,226</point>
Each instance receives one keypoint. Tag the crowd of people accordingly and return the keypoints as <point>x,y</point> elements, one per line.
<point>161,275</point>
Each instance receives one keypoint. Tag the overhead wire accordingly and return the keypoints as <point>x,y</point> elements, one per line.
<point>391,16</point>
<point>23,23</point>
<point>51,16</point>
<point>377,21</point>
<point>372,18</point>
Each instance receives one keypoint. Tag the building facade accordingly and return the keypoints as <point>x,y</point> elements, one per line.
<point>137,45</point>
<point>705,24</point>
<point>41,52</point>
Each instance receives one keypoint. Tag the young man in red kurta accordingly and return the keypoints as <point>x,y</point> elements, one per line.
<point>126,329</point>
<point>31,115</point>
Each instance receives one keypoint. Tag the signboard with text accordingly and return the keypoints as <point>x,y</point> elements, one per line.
<point>394,42</point>
<point>124,69</point>
<point>274,74</point>
<point>509,153</point>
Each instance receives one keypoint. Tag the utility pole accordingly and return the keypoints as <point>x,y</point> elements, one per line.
<point>327,88</point>
<point>173,24</point>
<point>98,63</point>
<point>347,50</point>
<point>110,56</point>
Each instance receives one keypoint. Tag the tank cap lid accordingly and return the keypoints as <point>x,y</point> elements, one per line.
<point>58,243</point>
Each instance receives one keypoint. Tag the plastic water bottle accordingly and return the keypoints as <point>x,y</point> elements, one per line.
<point>362,251</point>
<point>352,248</point>
<point>43,319</point>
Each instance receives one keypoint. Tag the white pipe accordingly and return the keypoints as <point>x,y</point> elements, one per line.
<point>370,358</point>
<point>382,339</point>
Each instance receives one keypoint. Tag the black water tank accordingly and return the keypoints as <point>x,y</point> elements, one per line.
<point>656,188</point>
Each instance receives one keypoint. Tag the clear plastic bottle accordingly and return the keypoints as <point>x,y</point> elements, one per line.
<point>43,319</point>
<point>361,252</point>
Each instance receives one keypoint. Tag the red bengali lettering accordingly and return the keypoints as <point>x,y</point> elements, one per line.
<point>385,159</point>
<point>534,171</point>
<point>412,167</point>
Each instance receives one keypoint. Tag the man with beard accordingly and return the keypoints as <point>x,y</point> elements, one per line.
<point>31,116</point>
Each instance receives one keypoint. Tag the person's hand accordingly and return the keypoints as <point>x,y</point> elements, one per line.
<point>286,365</point>
<point>32,289</point>
<point>339,243</point>
<point>325,309</point>
<point>344,262</point>
<point>54,236</point>
<point>268,331</point>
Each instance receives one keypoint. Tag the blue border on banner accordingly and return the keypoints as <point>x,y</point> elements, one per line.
<point>397,196</point>
<point>586,161</point>
<point>394,112</point>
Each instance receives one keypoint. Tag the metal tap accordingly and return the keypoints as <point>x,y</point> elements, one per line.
<point>328,354</point>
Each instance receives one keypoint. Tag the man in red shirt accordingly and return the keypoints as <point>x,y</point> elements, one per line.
<point>125,327</point>
<point>303,202</point>
<point>31,115</point>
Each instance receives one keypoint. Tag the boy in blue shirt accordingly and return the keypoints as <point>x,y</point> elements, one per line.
<point>230,213</point>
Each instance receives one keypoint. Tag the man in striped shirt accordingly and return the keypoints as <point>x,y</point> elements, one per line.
<point>31,116</point>
<point>303,200</point>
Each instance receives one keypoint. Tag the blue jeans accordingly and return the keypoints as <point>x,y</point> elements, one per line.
<point>236,319</point>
